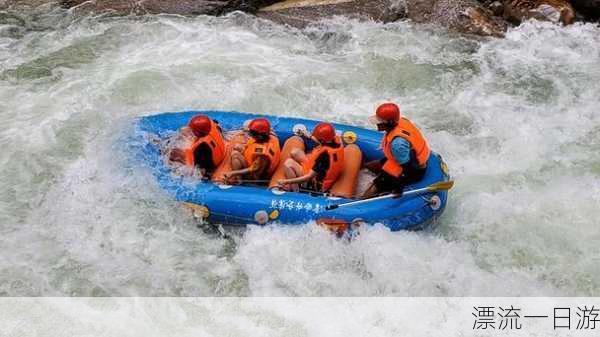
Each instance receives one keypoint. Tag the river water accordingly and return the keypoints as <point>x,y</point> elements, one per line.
<point>517,120</point>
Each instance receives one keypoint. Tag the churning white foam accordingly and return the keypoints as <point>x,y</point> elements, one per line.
<point>516,119</point>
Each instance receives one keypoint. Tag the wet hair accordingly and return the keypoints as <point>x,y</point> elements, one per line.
<point>332,143</point>
<point>386,126</point>
<point>260,137</point>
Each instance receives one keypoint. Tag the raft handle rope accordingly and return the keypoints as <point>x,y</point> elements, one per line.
<point>259,181</point>
<point>244,181</point>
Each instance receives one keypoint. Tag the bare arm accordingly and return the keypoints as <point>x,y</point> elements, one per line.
<point>177,155</point>
<point>258,164</point>
<point>179,144</point>
<point>238,172</point>
<point>300,179</point>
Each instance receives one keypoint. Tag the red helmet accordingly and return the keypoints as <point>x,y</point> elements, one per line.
<point>387,112</point>
<point>200,125</point>
<point>324,132</point>
<point>260,126</point>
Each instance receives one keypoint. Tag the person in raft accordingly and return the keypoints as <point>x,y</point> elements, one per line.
<point>406,152</point>
<point>206,149</point>
<point>259,158</point>
<point>318,170</point>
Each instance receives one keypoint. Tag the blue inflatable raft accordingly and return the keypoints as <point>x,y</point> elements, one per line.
<point>242,205</point>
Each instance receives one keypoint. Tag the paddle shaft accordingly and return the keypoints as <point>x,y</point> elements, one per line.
<point>383,197</point>
<point>432,188</point>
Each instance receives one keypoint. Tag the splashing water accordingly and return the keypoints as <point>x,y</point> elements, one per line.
<point>516,119</point>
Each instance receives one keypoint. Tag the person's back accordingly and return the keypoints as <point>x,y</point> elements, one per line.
<point>265,152</point>
<point>327,161</point>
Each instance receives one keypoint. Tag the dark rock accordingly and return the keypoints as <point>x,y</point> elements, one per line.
<point>557,11</point>
<point>497,8</point>
<point>465,16</point>
<point>249,6</point>
<point>299,13</point>
<point>589,9</point>
<point>420,10</point>
<point>181,7</point>
<point>468,16</point>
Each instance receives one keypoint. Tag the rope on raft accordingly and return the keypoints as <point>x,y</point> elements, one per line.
<point>263,181</point>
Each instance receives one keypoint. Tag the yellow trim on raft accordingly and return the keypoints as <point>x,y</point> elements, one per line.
<point>349,137</point>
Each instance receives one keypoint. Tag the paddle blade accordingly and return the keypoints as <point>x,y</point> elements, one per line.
<point>441,186</point>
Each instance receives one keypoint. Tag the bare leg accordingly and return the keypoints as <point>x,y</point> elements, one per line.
<point>292,170</point>
<point>238,162</point>
<point>293,167</point>
<point>298,155</point>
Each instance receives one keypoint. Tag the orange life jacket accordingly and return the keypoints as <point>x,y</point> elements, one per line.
<point>268,149</point>
<point>214,140</point>
<point>408,131</point>
<point>336,163</point>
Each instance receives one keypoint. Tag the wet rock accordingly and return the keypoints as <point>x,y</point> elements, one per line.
<point>465,16</point>
<point>588,9</point>
<point>299,13</point>
<point>126,7</point>
<point>420,10</point>
<point>249,6</point>
<point>559,11</point>
<point>181,7</point>
<point>497,8</point>
<point>483,17</point>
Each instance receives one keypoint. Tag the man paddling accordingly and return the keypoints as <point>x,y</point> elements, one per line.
<point>406,152</point>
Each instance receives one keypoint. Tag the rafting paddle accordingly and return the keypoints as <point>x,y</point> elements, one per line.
<point>441,186</point>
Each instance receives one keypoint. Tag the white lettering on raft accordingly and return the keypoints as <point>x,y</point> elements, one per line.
<point>282,204</point>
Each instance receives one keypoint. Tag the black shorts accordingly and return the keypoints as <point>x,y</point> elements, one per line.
<point>385,182</point>
<point>388,183</point>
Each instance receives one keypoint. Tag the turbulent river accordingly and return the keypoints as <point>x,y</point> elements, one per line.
<point>517,120</point>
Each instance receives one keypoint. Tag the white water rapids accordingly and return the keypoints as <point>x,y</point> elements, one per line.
<point>517,120</point>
